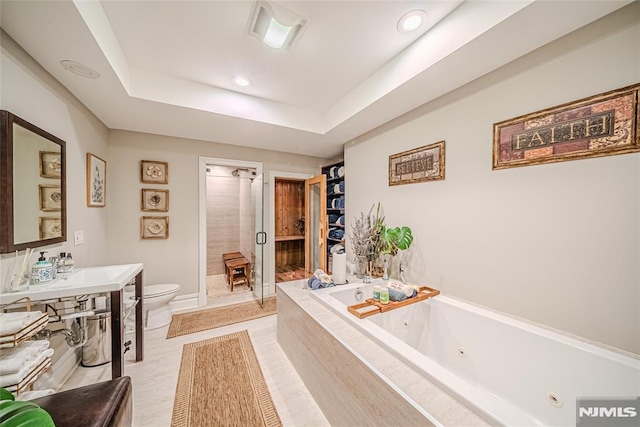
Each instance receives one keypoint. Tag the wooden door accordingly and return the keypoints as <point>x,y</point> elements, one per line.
<point>315,196</point>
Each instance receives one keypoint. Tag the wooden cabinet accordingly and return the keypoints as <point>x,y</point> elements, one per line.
<point>335,193</point>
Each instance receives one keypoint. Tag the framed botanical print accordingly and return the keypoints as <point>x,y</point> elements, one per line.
<point>155,200</point>
<point>153,172</point>
<point>96,181</point>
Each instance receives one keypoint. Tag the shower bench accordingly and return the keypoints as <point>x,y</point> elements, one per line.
<point>236,267</point>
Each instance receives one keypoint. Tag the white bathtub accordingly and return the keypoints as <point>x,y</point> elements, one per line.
<point>507,371</point>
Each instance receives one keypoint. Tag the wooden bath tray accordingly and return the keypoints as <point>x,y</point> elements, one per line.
<point>370,306</point>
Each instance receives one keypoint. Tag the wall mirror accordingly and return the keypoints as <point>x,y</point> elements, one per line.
<point>33,199</point>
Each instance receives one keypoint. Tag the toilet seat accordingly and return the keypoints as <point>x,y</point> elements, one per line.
<point>152,291</point>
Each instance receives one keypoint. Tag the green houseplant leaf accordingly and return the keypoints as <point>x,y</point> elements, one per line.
<point>394,239</point>
<point>16,413</point>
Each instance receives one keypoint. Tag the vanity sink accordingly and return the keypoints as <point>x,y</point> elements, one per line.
<point>79,281</point>
<point>109,279</point>
<point>89,276</point>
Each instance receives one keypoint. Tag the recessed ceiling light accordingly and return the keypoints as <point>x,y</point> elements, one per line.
<point>242,81</point>
<point>411,21</point>
<point>79,69</point>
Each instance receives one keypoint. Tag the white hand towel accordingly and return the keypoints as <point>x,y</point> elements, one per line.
<point>10,323</point>
<point>13,359</point>
<point>13,379</point>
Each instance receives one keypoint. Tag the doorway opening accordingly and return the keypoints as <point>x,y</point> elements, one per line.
<point>230,223</point>
<point>289,235</point>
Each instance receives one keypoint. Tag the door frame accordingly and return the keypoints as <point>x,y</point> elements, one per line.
<point>203,162</point>
<point>271,244</point>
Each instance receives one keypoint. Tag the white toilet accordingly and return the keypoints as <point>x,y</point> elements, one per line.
<point>156,304</point>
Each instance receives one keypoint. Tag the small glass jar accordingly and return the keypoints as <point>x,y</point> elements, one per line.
<point>384,296</point>
<point>19,283</point>
<point>376,293</point>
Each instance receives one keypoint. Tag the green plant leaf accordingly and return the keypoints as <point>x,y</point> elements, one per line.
<point>6,394</point>
<point>404,238</point>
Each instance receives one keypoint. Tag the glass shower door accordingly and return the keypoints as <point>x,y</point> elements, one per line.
<point>257,197</point>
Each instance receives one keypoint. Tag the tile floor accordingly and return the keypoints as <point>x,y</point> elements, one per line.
<point>154,379</point>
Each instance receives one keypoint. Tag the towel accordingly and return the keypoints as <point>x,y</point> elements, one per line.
<point>337,188</point>
<point>320,280</point>
<point>340,220</point>
<point>337,203</point>
<point>13,359</point>
<point>16,378</point>
<point>395,295</point>
<point>336,233</point>
<point>333,218</point>
<point>13,322</point>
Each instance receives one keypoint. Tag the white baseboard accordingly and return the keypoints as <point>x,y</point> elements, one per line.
<point>184,302</point>
<point>60,371</point>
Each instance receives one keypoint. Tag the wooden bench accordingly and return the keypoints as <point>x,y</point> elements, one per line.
<point>237,267</point>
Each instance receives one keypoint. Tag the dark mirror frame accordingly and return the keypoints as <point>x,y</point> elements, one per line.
<point>7,244</point>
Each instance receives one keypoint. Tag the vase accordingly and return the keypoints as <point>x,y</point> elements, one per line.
<point>361,266</point>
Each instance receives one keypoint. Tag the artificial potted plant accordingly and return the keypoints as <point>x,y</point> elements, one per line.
<point>371,238</point>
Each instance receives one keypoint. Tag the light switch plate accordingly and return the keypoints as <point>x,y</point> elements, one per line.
<point>78,237</point>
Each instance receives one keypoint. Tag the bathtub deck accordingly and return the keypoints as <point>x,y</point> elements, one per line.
<point>301,310</point>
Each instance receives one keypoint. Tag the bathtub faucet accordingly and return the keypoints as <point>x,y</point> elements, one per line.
<point>402,279</point>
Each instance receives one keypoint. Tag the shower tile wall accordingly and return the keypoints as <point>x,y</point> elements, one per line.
<point>247,217</point>
<point>229,220</point>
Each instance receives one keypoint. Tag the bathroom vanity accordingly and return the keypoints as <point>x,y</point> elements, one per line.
<point>97,280</point>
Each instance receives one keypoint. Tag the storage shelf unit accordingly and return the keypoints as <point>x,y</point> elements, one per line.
<point>335,175</point>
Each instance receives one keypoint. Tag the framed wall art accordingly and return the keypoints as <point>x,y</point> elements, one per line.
<point>601,125</point>
<point>154,227</point>
<point>50,164</point>
<point>153,172</point>
<point>155,200</point>
<point>421,164</point>
<point>50,197</point>
<point>50,227</point>
<point>96,181</point>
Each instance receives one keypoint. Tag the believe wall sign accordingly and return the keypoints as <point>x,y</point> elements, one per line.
<point>418,165</point>
<point>601,125</point>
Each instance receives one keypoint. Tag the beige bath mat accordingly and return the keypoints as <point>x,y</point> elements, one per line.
<point>201,320</point>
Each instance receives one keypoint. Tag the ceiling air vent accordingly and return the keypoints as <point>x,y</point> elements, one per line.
<point>277,26</point>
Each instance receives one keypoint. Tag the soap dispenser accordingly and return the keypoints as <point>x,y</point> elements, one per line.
<point>42,271</point>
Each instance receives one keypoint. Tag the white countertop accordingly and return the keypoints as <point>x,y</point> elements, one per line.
<point>80,281</point>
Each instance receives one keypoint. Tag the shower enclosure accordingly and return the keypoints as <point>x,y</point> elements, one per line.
<point>233,223</point>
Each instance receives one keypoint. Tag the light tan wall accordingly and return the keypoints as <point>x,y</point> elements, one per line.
<point>174,260</point>
<point>557,244</point>
<point>33,94</point>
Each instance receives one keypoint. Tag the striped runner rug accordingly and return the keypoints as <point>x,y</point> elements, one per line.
<point>210,318</point>
<point>220,383</point>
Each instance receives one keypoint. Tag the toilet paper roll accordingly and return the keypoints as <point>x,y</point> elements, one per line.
<point>340,269</point>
